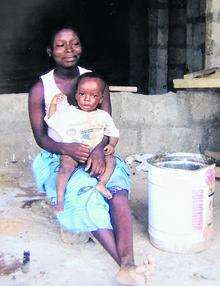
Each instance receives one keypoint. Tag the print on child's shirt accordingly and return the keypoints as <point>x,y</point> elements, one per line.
<point>90,136</point>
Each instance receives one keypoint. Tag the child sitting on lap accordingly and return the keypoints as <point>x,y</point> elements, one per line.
<point>86,124</point>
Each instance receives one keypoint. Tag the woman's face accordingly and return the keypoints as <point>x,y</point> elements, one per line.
<point>66,49</point>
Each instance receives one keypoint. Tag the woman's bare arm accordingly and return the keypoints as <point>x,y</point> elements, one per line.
<point>36,107</point>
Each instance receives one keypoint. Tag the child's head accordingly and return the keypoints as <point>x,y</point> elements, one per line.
<point>89,91</point>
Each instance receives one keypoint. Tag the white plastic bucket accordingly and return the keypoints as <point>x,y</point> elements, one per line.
<point>180,202</point>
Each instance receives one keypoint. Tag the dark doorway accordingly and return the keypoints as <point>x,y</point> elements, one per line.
<point>130,42</point>
<point>26,26</point>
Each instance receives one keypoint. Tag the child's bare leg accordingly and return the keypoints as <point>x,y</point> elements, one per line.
<point>103,179</point>
<point>67,166</point>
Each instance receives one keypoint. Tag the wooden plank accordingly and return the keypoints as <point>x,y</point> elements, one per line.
<point>209,78</point>
<point>123,88</point>
<point>201,73</point>
<point>213,154</point>
<point>197,83</point>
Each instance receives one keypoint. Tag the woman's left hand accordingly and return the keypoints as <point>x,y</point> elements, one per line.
<point>96,162</point>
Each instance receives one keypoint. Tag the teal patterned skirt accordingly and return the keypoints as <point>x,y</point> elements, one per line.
<point>85,209</point>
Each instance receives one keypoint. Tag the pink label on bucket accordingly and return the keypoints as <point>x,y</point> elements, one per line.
<point>197,209</point>
<point>210,176</point>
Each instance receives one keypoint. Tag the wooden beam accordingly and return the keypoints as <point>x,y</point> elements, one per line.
<point>197,83</point>
<point>213,154</point>
<point>201,73</point>
<point>209,78</point>
<point>123,88</point>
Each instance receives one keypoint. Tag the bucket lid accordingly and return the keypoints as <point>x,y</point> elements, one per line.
<point>184,161</point>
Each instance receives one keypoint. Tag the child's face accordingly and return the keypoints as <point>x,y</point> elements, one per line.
<point>89,93</point>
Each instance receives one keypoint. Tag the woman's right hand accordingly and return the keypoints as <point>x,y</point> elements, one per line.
<point>79,152</point>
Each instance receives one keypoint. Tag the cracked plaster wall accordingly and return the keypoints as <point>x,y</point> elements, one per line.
<point>175,122</point>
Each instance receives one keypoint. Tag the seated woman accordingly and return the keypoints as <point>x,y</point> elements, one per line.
<point>84,209</point>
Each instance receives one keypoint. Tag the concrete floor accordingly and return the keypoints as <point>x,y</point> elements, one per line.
<point>54,262</point>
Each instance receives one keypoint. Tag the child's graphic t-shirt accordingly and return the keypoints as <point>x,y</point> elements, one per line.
<point>70,124</point>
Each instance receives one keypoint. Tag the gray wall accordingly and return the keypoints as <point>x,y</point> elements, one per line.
<point>212,33</point>
<point>148,124</point>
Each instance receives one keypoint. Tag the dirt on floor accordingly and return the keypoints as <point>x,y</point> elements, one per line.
<point>28,224</point>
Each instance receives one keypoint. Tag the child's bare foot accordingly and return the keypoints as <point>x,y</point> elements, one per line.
<point>58,208</point>
<point>102,189</point>
<point>137,275</point>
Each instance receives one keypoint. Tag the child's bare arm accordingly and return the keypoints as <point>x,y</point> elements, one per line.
<point>113,141</point>
<point>53,105</point>
<point>110,147</point>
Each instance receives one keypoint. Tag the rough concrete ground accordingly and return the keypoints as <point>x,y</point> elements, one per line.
<point>54,262</point>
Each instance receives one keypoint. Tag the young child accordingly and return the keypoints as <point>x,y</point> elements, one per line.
<point>83,124</point>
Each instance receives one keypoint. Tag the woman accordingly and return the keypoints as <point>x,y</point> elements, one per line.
<point>66,50</point>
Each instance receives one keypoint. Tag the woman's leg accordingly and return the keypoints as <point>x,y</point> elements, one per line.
<point>120,244</point>
<point>129,273</point>
<point>122,225</point>
<point>107,239</point>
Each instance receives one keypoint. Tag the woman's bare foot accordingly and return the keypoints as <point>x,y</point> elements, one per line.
<point>102,189</point>
<point>137,275</point>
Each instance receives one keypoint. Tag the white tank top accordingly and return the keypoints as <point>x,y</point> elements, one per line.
<point>50,87</point>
